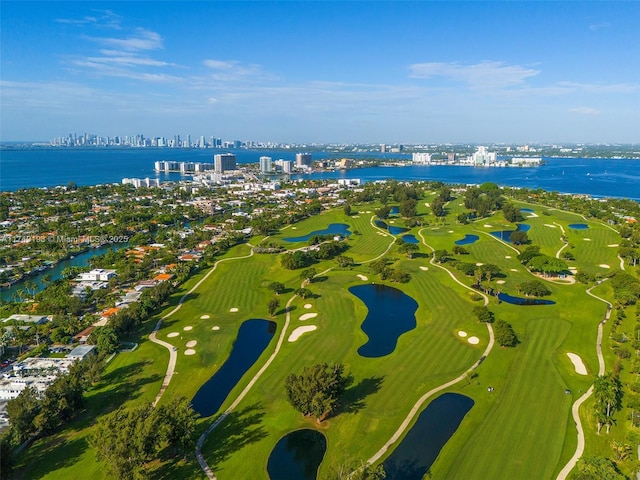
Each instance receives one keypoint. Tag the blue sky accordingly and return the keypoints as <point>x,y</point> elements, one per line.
<point>378,72</point>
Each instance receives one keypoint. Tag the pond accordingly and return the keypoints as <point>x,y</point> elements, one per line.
<point>504,297</point>
<point>410,238</point>
<point>467,240</point>
<point>413,458</point>
<point>297,456</point>
<point>253,337</point>
<point>392,230</point>
<point>506,234</point>
<point>578,226</point>
<point>394,210</point>
<point>391,313</point>
<point>527,210</point>
<point>332,229</point>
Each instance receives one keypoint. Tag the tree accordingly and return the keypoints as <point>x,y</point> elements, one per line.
<point>308,274</point>
<point>22,411</point>
<point>107,340</point>
<point>347,209</point>
<point>598,468</point>
<point>409,248</point>
<point>357,471</point>
<point>180,419</point>
<point>408,208</point>
<point>511,213</point>
<point>276,287</point>
<point>505,336</point>
<point>273,305</point>
<point>344,261</point>
<point>303,292</point>
<point>533,288</point>
<point>607,391</point>
<point>383,212</point>
<point>317,390</point>
<point>437,207</point>
<point>440,256</point>
<point>519,237</point>
<point>483,314</point>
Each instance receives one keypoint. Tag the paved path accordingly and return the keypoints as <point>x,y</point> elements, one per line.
<point>418,405</point>
<point>575,409</point>
<point>563,238</point>
<point>173,352</point>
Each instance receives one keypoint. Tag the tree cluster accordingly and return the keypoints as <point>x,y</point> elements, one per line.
<point>300,259</point>
<point>483,199</point>
<point>626,288</point>
<point>483,314</point>
<point>386,272</point>
<point>533,288</point>
<point>511,213</point>
<point>607,391</point>
<point>317,390</point>
<point>505,336</point>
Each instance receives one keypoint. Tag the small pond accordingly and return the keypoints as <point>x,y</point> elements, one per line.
<point>467,240</point>
<point>413,458</point>
<point>578,226</point>
<point>506,234</point>
<point>297,456</point>
<point>392,230</point>
<point>332,229</point>
<point>523,300</point>
<point>410,238</point>
<point>253,337</point>
<point>391,313</point>
<point>527,210</point>
<point>394,210</point>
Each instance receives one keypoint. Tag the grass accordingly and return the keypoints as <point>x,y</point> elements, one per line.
<point>521,430</point>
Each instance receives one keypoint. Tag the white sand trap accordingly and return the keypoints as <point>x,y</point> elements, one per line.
<point>587,239</point>
<point>488,226</point>
<point>215,327</point>
<point>356,216</point>
<point>307,306</point>
<point>307,316</point>
<point>189,351</point>
<point>613,245</point>
<point>294,228</point>
<point>426,204</point>
<point>500,282</point>
<point>364,278</point>
<point>604,265</point>
<point>450,231</point>
<point>392,221</point>
<point>507,256</point>
<point>473,340</point>
<point>297,333</point>
<point>462,333</point>
<point>424,268</point>
<point>368,211</point>
<point>191,343</point>
<point>172,334</point>
<point>578,364</point>
<point>205,317</point>
<point>573,269</point>
<point>514,269</point>
<point>187,328</point>
<point>479,264</point>
<point>532,215</point>
<point>549,225</point>
<point>234,309</point>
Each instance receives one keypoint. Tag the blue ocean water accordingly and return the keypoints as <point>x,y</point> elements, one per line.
<point>47,167</point>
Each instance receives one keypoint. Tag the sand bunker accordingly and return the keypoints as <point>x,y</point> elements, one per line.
<point>356,216</point>
<point>514,269</point>
<point>191,343</point>
<point>424,268</point>
<point>450,231</point>
<point>473,340</point>
<point>297,333</point>
<point>587,239</point>
<point>462,333</point>
<point>307,306</point>
<point>294,228</point>
<point>307,316</point>
<point>507,256</point>
<point>363,277</point>
<point>532,215</point>
<point>499,282</point>
<point>173,334</point>
<point>205,317</point>
<point>578,364</point>
<point>573,269</point>
<point>488,226</point>
<point>234,309</point>
<point>215,327</point>
<point>549,225</point>
<point>479,264</point>
<point>187,328</point>
<point>613,245</point>
<point>189,351</point>
<point>604,265</point>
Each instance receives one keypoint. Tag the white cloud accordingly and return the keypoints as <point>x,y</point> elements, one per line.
<point>599,26</point>
<point>143,39</point>
<point>483,75</point>
<point>230,70</point>
<point>585,111</point>
<point>101,19</point>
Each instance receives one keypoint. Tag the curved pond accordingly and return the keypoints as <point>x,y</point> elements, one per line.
<point>392,230</point>
<point>578,226</point>
<point>253,337</point>
<point>332,229</point>
<point>391,313</point>
<point>523,300</point>
<point>297,456</point>
<point>527,210</point>
<point>467,240</point>
<point>413,458</point>
<point>506,234</point>
<point>410,238</point>
<point>394,210</point>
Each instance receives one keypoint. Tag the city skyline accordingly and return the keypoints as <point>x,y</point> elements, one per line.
<point>323,72</point>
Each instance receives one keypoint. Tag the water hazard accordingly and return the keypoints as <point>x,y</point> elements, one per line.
<point>467,240</point>
<point>392,229</point>
<point>253,337</point>
<point>578,226</point>
<point>391,313</point>
<point>332,229</point>
<point>506,234</point>
<point>297,456</point>
<point>413,458</point>
<point>504,297</point>
<point>410,238</point>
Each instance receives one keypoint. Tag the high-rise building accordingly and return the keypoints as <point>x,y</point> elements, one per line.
<point>303,159</point>
<point>285,165</point>
<point>265,165</point>
<point>223,162</point>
